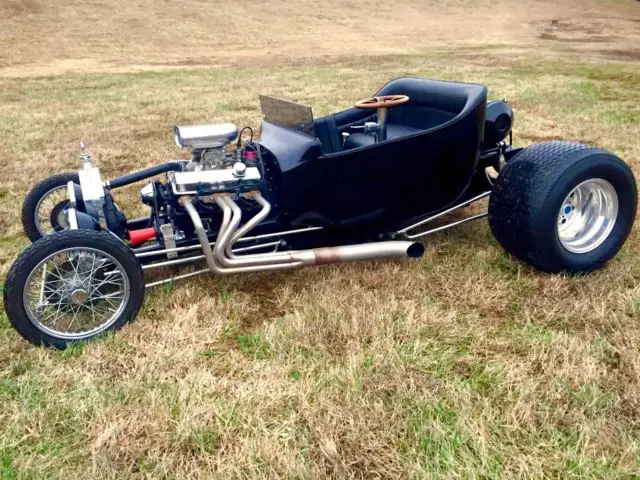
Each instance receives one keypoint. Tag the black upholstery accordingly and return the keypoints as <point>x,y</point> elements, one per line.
<point>440,98</point>
<point>362,139</point>
<point>432,104</point>
<point>327,133</point>
<point>358,140</point>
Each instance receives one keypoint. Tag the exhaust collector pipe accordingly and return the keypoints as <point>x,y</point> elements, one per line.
<point>219,261</point>
<point>208,252</point>
<point>366,251</point>
<point>322,256</point>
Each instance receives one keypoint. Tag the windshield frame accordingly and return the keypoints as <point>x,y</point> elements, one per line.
<point>288,114</point>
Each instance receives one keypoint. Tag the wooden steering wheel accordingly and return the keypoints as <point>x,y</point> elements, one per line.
<point>384,101</point>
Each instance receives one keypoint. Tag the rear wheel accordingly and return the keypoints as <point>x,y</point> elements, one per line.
<point>563,207</point>
<point>71,286</point>
<point>43,209</point>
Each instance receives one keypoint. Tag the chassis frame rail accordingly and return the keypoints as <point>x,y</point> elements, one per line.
<point>221,256</point>
<point>405,232</point>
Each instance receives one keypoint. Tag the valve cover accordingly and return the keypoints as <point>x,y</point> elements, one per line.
<point>219,180</point>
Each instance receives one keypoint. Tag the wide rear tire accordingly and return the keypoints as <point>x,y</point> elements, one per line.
<point>563,207</point>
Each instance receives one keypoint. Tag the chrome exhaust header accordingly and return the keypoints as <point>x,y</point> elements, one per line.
<point>221,259</point>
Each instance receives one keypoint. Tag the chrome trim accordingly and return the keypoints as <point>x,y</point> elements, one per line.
<point>280,234</point>
<point>170,263</point>
<point>221,259</point>
<point>447,226</point>
<point>91,184</point>
<point>232,210</point>
<point>219,263</point>
<point>195,258</point>
<point>169,238</point>
<point>383,115</point>
<point>72,220</point>
<point>71,193</point>
<point>184,182</point>
<point>177,277</point>
<point>251,224</point>
<point>240,240</point>
<point>223,235</point>
<point>204,136</point>
<point>438,215</point>
<point>257,247</point>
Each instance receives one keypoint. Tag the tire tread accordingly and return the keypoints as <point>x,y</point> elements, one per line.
<point>518,199</point>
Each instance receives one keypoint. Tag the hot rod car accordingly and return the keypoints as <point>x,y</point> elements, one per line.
<point>363,183</point>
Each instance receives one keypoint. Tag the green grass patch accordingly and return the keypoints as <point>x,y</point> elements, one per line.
<point>254,346</point>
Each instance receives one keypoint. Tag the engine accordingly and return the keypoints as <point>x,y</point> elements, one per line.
<point>212,168</point>
<point>215,167</point>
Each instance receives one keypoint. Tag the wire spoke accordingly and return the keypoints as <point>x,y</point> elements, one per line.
<point>54,314</point>
<point>46,206</point>
<point>103,283</point>
<point>110,301</point>
<point>76,293</point>
<point>108,296</point>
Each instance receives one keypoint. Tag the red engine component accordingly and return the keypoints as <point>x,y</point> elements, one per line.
<point>249,154</point>
<point>140,236</point>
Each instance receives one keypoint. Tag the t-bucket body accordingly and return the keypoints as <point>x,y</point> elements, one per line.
<point>422,167</point>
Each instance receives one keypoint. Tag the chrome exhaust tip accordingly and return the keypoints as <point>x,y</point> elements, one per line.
<point>365,251</point>
<point>415,250</point>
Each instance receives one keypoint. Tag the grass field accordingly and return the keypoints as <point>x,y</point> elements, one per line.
<point>464,364</point>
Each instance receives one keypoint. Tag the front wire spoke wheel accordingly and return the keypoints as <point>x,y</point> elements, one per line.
<point>44,208</point>
<point>50,211</point>
<point>76,293</point>
<point>72,286</point>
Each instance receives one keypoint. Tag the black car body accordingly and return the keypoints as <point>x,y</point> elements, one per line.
<point>363,183</point>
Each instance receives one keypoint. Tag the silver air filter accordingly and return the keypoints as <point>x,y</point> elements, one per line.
<point>205,136</point>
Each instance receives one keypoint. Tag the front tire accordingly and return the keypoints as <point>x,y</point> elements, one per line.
<point>42,210</point>
<point>71,286</point>
<point>563,207</point>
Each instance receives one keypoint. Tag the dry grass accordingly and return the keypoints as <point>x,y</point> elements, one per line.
<point>463,364</point>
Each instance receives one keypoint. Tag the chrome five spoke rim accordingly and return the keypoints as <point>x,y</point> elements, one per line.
<point>587,215</point>
<point>76,293</point>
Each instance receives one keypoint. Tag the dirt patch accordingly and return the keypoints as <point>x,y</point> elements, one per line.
<point>633,55</point>
<point>264,303</point>
<point>593,39</point>
<point>579,30</point>
<point>11,8</point>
